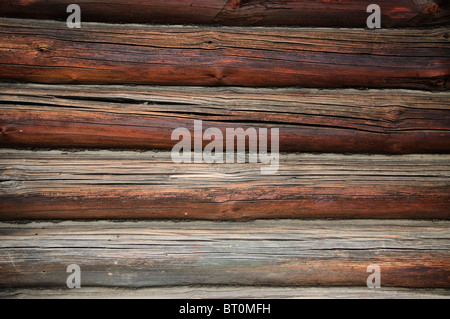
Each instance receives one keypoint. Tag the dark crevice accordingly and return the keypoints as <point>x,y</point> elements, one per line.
<point>119,100</point>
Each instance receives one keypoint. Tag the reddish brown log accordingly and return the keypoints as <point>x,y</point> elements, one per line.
<point>126,117</point>
<point>318,13</point>
<point>49,52</point>
<point>130,185</point>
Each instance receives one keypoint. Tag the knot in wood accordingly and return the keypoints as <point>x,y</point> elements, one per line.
<point>434,8</point>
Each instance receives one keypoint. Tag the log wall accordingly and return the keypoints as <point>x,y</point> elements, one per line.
<point>87,178</point>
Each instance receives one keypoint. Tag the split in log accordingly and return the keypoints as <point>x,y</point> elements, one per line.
<point>131,185</point>
<point>49,52</point>
<point>264,253</point>
<point>351,13</point>
<point>309,120</point>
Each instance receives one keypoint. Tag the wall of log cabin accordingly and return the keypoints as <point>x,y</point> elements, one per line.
<point>87,178</point>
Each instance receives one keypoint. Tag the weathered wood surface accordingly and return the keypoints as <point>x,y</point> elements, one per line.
<point>221,292</point>
<point>121,185</point>
<point>49,52</point>
<point>271,253</point>
<point>310,120</point>
<point>352,13</point>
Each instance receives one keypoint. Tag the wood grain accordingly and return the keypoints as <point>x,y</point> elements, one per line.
<point>221,292</point>
<point>351,13</point>
<point>263,253</point>
<point>49,52</point>
<point>309,120</point>
<point>148,185</point>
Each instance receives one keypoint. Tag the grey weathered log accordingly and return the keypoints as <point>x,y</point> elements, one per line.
<point>265,253</point>
<point>310,120</point>
<point>221,292</point>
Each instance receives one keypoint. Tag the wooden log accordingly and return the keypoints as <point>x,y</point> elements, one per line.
<point>123,185</point>
<point>309,120</point>
<point>399,13</point>
<point>269,253</point>
<point>221,292</point>
<point>49,52</point>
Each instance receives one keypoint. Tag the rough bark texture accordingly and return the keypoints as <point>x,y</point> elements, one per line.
<point>281,253</point>
<point>375,121</point>
<point>319,13</point>
<point>85,185</point>
<point>49,52</point>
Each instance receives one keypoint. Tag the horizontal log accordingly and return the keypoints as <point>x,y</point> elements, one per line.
<point>399,13</point>
<point>50,52</point>
<point>309,120</point>
<point>271,253</point>
<point>221,292</point>
<point>148,185</point>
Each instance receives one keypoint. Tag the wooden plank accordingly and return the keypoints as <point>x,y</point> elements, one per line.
<point>49,52</point>
<point>269,253</point>
<point>352,13</point>
<point>148,185</point>
<point>227,293</point>
<point>309,120</point>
